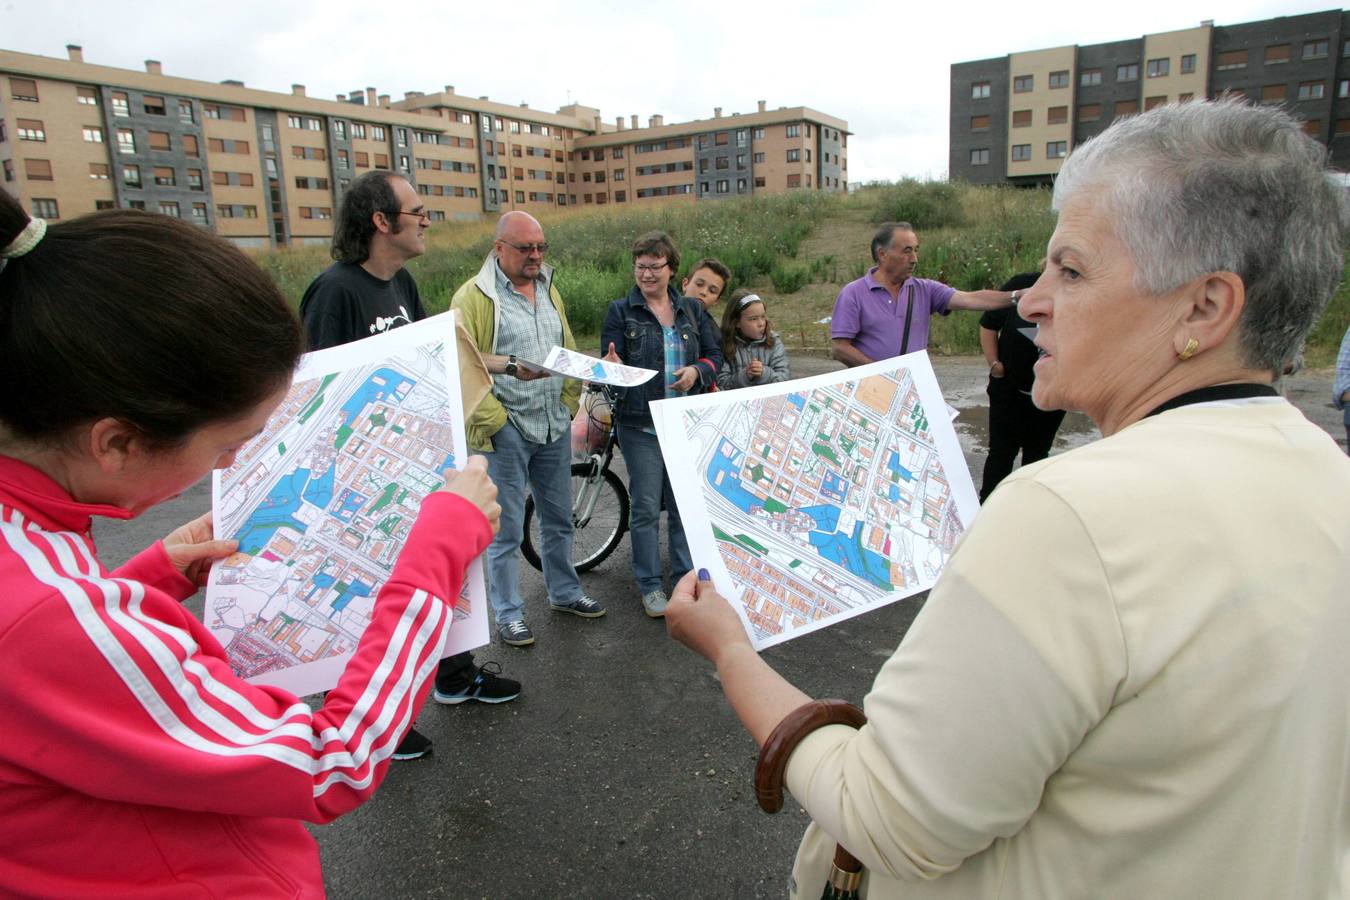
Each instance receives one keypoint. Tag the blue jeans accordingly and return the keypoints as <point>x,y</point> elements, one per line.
<point>648,484</point>
<point>547,468</point>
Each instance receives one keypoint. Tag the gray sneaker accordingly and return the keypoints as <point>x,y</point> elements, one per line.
<point>584,606</point>
<point>516,633</point>
<point>654,602</point>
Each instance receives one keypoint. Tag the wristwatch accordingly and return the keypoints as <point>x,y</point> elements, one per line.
<point>511,367</point>
<point>1016,295</point>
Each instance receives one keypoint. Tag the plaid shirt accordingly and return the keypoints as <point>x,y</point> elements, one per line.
<point>1342,376</point>
<point>530,331</point>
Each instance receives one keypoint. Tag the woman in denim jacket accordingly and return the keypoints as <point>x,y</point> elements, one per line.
<point>655,328</point>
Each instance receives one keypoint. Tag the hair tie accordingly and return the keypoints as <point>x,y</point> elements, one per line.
<point>27,239</point>
<point>747,300</point>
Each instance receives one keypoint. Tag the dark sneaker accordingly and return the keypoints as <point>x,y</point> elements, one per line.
<point>586,607</point>
<point>486,687</point>
<point>516,633</point>
<point>414,745</point>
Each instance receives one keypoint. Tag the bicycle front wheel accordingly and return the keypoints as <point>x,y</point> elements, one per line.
<point>594,537</point>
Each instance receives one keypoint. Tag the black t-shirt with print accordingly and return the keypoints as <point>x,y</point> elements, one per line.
<point>346,303</point>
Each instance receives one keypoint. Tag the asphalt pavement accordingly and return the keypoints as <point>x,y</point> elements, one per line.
<point>620,771</point>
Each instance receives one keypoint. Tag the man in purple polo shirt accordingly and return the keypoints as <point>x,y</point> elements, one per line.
<point>885,312</point>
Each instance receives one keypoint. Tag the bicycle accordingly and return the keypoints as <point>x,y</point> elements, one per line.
<point>600,501</point>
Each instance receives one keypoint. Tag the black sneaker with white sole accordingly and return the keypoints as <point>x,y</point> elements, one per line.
<point>414,745</point>
<point>486,686</point>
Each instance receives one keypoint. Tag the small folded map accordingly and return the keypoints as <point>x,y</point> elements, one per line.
<point>571,364</point>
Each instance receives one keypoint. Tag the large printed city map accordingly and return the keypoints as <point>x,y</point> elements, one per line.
<point>822,497</point>
<point>322,501</point>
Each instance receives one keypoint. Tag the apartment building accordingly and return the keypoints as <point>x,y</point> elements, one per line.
<point>264,168</point>
<point>1014,118</point>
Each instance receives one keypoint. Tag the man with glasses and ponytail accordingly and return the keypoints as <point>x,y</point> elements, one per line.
<point>513,312</point>
<point>380,226</point>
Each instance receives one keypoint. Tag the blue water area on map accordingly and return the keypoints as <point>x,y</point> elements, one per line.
<point>834,486</point>
<point>448,463</point>
<point>849,553</point>
<point>319,491</point>
<point>323,581</point>
<point>349,503</point>
<point>893,463</point>
<point>598,370</point>
<point>894,493</point>
<point>836,546</point>
<point>276,511</point>
<point>797,400</point>
<point>372,392</point>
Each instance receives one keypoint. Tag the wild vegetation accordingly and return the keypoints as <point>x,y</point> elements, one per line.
<point>797,250</point>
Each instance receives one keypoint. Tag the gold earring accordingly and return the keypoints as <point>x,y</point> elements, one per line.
<point>1188,351</point>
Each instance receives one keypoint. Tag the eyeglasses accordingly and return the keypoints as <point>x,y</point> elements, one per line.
<point>527,249</point>
<point>417,213</point>
<point>650,269</point>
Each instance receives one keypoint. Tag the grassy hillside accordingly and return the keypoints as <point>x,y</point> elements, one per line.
<point>797,250</point>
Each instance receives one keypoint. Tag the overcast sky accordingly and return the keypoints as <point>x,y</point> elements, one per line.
<point>883,67</point>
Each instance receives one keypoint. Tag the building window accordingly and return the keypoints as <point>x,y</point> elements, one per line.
<point>136,204</point>
<point>1345,49</point>
<point>23,89</point>
<point>758,157</point>
<point>120,106</point>
<point>794,156</point>
<point>794,181</point>
<point>185,113</point>
<point>1313,128</point>
<point>1127,72</point>
<point>979,157</point>
<point>401,136</point>
<point>722,139</point>
<point>1056,149</point>
<point>340,130</point>
<point>99,171</point>
<point>153,106</point>
<point>794,131</point>
<point>343,161</point>
<point>1185,98</point>
<point>1126,108</point>
<point>294,122</point>
<point>1343,88</point>
<point>1021,118</point>
<point>194,177</point>
<point>131,176</point>
<point>979,90</point>
<point>1023,83</point>
<point>1152,102</point>
<point>358,131</point>
<point>9,169</point>
<point>1276,54</point>
<point>979,123</point>
<point>377,133</point>
<point>101,205</point>
<point>1057,115</point>
<point>313,124</point>
<point>199,213</point>
<point>1342,126</point>
<point>250,212</point>
<point>92,134</point>
<point>1274,93</point>
<point>45,208</point>
<point>86,95</point>
<point>1159,68</point>
<point>169,208</point>
<point>1311,90</point>
<point>723,186</point>
<point>1090,77</point>
<point>159,140</point>
<point>1021,152</point>
<point>163,176</point>
<point>1059,79</point>
<point>31,130</point>
<point>38,169</point>
<point>759,134</point>
<point>1187,63</point>
<point>1315,49</point>
<point>1231,59</point>
<point>759,181</point>
<point>1089,112</point>
<point>520,197</point>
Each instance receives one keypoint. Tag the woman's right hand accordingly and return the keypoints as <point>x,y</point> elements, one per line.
<point>612,355</point>
<point>473,484</point>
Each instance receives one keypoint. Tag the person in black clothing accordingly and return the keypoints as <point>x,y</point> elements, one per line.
<point>1014,421</point>
<point>380,226</point>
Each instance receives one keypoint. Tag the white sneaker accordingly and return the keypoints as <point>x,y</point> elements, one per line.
<point>654,602</point>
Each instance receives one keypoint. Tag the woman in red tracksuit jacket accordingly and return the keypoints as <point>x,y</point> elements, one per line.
<point>136,354</point>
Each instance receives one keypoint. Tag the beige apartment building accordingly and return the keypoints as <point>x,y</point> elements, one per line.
<point>265,168</point>
<point>1014,118</point>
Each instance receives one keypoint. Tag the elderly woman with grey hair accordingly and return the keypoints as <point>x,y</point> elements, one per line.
<point>1147,693</point>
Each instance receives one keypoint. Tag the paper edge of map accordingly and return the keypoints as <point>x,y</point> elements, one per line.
<point>686,484</point>
<point>467,633</point>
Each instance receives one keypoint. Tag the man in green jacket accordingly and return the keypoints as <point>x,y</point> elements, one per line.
<point>513,312</point>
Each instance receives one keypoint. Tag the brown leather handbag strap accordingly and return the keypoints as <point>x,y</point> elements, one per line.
<point>803,720</point>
